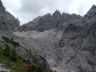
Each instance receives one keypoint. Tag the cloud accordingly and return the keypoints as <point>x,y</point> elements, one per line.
<point>34,8</point>
<point>12,6</point>
<point>37,6</point>
<point>80,6</point>
<point>26,10</point>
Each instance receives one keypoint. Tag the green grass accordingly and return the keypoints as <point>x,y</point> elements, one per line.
<point>15,66</point>
<point>18,65</point>
<point>7,57</point>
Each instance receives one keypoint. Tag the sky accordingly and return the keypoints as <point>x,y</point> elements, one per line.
<point>27,10</point>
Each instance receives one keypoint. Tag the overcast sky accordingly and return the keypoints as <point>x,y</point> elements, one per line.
<point>27,10</point>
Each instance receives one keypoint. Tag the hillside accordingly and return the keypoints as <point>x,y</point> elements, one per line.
<point>15,62</point>
<point>67,42</point>
<point>8,23</point>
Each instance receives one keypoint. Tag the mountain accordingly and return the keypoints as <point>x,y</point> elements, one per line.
<point>8,23</point>
<point>67,42</point>
<point>49,21</point>
<point>91,13</point>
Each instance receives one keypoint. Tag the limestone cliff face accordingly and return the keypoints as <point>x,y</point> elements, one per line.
<point>67,42</point>
<point>48,21</point>
<point>8,22</point>
<point>91,13</point>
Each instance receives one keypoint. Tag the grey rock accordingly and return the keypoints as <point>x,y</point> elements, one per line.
<point>91,13</point>
<point>8,23</point>
<point>48,21</point>
<point>67,42</point>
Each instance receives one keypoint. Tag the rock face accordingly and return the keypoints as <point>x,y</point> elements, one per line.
<point>8,23</point>
<point>91,13</point>
<point>48,21</point>
<point>67,42</point>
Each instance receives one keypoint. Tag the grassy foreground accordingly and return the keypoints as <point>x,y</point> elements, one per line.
<point>19,65</point>
<point>14,66</point>
<point>13,61</point>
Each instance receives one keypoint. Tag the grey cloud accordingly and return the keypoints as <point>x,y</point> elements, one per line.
<point>31,9</point>
<point>35,6</point>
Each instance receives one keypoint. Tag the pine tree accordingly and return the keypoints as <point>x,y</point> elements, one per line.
<point>13,56</point>
<point>7,51</point>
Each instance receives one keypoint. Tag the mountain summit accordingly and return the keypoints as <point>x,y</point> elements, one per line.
<point>2,8</point>
<point>49,21</point>
<point>92,12</point>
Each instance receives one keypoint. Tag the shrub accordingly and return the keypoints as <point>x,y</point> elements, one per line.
<point>13,56</point>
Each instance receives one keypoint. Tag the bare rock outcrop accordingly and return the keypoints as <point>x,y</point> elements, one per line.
<point>8,23</point>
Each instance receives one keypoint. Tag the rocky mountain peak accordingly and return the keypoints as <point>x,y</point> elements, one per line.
<point>57,13</point>
<point>2,8</point>
<point>48,21</point>
<point>92,12</point>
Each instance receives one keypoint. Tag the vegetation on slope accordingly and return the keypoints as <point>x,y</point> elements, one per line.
<point>13,61</point>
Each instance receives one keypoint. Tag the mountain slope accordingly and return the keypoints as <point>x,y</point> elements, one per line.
<point>67,42</point>
<point>7,21</point>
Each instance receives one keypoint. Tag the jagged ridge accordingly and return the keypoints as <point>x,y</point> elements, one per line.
<point>49,21</point>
